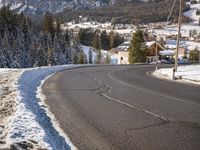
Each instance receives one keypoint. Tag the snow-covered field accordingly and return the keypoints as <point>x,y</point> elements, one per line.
<point>113,57</point>
<point>192,13</point>
<point>190,73</point>
<point>185,28</point>
<point>101,26</point>
<point>29,122</point>
<point>173,30</point>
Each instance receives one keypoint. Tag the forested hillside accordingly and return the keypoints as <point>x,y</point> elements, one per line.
<point>134,11</point>
<point>117,11</point>
<point>26,44</point>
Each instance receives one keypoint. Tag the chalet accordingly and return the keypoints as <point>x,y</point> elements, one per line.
<point>154,49</point>
<point>122,53</point>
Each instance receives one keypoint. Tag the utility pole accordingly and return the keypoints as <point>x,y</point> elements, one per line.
<point>156,55</point>
<point>179,34</point>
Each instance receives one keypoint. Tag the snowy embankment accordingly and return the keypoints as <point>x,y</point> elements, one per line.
<point>8,96</point>
<point>32,123</point>
<point>184,74</point>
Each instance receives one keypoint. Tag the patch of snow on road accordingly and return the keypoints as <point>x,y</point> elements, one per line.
<point>189,73</point>
<point>32,121</point>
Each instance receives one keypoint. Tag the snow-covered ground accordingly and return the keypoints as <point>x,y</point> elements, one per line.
<point>192,13</point>
<point>173,30</point>
<point>86,52</point>
<point>185,28</point>
<point>190,73</point>
<point>30,120</point>
<point>113,57</point>
<point>8,96</point>
<point>101,26</point>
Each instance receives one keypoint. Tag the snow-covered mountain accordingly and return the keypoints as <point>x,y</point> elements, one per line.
<point>34,7</point>
<point>53,6</point>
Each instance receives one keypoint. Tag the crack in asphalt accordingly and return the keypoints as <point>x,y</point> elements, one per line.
<point>164,120</point>
<point>187,124</point>
<point>150,126</point>
<point>109,89</point>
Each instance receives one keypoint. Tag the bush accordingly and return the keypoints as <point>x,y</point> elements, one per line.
<point>198,12</point>
<point>194,55</point>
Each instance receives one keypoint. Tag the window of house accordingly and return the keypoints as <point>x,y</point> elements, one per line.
<point>121,58</point>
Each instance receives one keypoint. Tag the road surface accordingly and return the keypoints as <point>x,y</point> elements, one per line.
<point>122,107</point>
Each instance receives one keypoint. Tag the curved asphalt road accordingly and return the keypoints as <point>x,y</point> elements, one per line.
<point>121,107</point>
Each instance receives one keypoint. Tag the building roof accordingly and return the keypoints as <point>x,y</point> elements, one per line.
<point>167,53</point>
<point>123,47</point>
<point>151,43</point>
<point>171,44</point>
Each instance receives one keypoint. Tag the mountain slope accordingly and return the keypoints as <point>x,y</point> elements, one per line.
<point>53,6</point>
<point>34,7</point>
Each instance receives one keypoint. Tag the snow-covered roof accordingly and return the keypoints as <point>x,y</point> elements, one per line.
<point>167,53</point>
<point>171,44</point>
<point>149,44</point>
<point>124,46</point>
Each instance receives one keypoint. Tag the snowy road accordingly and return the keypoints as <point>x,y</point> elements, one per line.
<point>121,107</point>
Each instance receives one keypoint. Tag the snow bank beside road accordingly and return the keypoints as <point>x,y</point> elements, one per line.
<point>185,73</point>
<point>8,100</point>
<point>32,122</point>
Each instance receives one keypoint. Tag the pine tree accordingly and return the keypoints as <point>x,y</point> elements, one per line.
<point>51,59</point>
<point>41,58</point>
<point>104,40</point>
<point>137,49</point>
<point>111,39</point>
<point>48,26</point>
<point>81,59</point>
<point>108,59</point>
<point>117,40</point>
<point>194,55</point>
<point>97,41</point>
<point>99,57</point>
<point>75,59</point>
<point>24,43</point>
<point>90,56</point>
